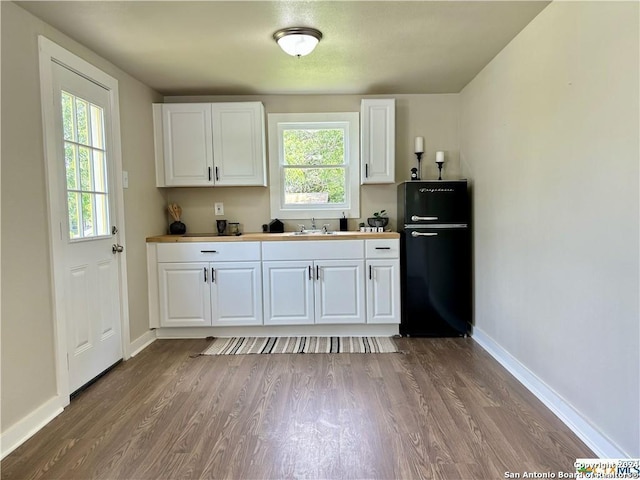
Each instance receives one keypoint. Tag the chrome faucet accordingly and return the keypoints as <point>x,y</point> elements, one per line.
<point>313,223</point>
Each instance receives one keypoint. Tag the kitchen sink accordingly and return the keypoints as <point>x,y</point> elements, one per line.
<point>200,235</point>
<point>313,232</point>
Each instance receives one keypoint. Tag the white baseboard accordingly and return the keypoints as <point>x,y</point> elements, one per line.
<point>350,330</point>
<point>595,440</point>
<point>20,432</point>
<point>142,342</point>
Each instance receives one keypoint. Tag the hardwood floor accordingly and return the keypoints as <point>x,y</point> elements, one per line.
<point>443,410</point>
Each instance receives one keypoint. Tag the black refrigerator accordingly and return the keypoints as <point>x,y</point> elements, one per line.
<point>433,220</point>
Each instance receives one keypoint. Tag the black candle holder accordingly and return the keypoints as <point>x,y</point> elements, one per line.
<point>419,157</point>
<point>439,170</point>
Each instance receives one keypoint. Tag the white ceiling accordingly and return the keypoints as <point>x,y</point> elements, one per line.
<point>226,48</point>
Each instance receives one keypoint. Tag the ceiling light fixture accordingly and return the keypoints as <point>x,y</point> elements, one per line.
<point>298,41</point>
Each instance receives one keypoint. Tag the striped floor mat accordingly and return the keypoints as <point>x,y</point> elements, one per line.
<point>248,345</point>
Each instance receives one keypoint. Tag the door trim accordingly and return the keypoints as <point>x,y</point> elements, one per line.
<point>51,52</point>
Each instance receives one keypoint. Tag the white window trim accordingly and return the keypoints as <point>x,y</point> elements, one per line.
<point>351,121</point>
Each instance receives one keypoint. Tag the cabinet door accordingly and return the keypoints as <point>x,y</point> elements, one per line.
<point>288,292</point>
<point>238,144</point>
<point>377,135</point>
<point>339,291</point>
<point>236,293</point>
<point>185,296</point>
<point>383,291</point>
<point>188,149</point>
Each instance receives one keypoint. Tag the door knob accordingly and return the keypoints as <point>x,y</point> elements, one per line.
<point>115,248</point>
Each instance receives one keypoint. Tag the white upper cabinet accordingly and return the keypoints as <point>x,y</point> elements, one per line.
<point>378,140</point>
<point>187,144</point>
<point>239,144</point>
<point>207,144</point>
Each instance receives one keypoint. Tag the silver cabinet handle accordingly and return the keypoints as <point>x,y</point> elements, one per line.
<point>416,218</point>
<point>213,275</point>
<point>317,272</point>
<point>208,251</point>
<point>310,274</point>
<point>205,274</point>
<point>370,272</point>
<point>428,234</point>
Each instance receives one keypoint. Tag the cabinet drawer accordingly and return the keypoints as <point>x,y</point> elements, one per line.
<point>209,252</point>
<point>382,248</point>
<point>313,250</point>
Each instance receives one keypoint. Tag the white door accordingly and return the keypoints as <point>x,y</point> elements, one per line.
<point>236,293</point>
<point>188,148</point>
<point>185,294</point>
<point>288,292</point>
<point>87,228</point>
<point>339,291</point>
<point>383,291</point>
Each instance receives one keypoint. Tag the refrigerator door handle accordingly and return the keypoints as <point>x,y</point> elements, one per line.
<point>428,234</point>
<point>416,218</point>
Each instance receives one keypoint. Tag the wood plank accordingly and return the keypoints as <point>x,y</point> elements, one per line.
<point>443,410</point>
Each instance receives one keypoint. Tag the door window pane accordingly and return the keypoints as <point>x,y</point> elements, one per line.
<point>71,161</point>
<point>82,123</point>
<point>86,167</point>
<point>73,199</point>
<point>68,117</point>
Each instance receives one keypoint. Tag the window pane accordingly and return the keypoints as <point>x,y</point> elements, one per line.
<point>100,181</point>
<point>97,127</point>
<point>314,186</point>
<point>87,215</point>
<point>74,219</point>
<point>101,218</point>
<point>71,165</point>
<point>313,147</point>
<point>85,169</point>
<point>83,126</point>
<point>67,116</point>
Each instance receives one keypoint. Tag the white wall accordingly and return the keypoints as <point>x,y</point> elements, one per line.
<point>550,139</point>
<point>27,370</point>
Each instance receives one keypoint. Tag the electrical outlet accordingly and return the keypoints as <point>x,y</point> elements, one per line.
<point>219,208</point>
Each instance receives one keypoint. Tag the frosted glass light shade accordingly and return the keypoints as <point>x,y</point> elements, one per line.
<point>298,41</point>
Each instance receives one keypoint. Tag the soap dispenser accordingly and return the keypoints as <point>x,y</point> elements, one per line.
<point>343,223</point>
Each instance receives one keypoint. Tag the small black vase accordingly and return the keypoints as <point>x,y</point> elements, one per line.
<point>177,228</point>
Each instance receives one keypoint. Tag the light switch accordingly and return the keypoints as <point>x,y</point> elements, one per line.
<point>125,179</point>
<point>219,208</point>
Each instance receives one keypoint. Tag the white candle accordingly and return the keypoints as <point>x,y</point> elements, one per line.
<point>439,157</point>
<point>419,145</point>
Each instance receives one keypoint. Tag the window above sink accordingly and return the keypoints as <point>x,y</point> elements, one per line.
<point>314,165</point>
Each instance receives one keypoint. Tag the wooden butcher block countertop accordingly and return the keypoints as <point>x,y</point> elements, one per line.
<point>270,237</point>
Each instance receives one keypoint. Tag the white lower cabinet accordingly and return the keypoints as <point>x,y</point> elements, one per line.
<point>185,295</point>
<point>383,280</point>
<point>236,293</point>
<point>210,294</point>
<point>339,291</point>
<point>206,284</point>
<point>383,291</point>
<point>308,292</point>
<point>288,293</point>
<point>227,284</point>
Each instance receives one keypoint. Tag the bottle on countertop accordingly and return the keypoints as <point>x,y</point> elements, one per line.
<point>343,223</point>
